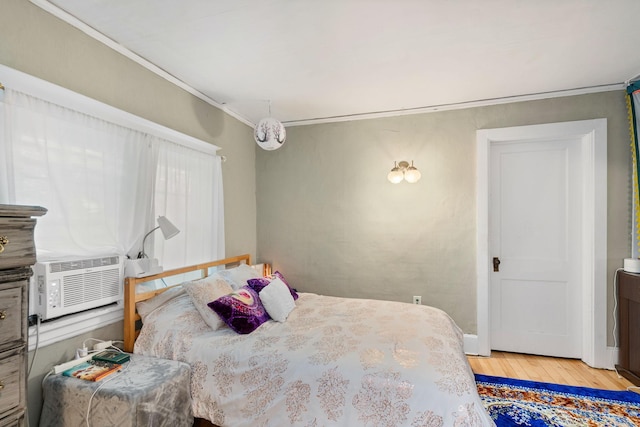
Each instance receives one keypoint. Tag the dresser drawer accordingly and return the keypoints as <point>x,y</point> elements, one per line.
<point>11,315</point>
<point>12,380</point>
<point>14,420</point>
<point>16,242</point>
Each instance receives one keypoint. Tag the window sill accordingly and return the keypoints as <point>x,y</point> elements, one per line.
<point>75,324</point>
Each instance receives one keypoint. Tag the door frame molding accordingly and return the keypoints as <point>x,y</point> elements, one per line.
<point>593,134</point>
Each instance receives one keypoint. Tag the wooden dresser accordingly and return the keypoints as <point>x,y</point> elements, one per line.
<point>629,326</point>
<point>17,254</point>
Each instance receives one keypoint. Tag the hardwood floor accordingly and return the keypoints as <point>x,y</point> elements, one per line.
<point>547,369</point>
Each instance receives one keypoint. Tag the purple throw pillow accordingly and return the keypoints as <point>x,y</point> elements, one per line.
<point>241,310</point>
<point>260,283</point>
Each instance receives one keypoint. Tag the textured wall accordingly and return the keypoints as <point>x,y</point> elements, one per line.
<point>35,42</point>
<point>330,220</point>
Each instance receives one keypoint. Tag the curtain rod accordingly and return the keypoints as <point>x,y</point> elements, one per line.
<point>631,80</point>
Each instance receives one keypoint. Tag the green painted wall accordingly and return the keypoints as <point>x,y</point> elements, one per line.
<point>330,220</point>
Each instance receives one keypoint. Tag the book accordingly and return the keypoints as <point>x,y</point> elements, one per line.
<point>92,370</point>
<point>112,357</point>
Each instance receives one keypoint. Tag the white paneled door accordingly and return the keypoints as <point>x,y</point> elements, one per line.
<point>542,213</point>
<point>536,245</point>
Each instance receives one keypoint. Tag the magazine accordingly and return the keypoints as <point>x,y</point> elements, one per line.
<point>92,370</point>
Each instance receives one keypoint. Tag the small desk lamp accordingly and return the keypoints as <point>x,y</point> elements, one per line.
<point>145,266</point>
<point>168,231</point>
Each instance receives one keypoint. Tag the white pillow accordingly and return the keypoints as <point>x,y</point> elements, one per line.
<point>237,277</point>
<point>277,300</point>
<point>146,307</point>
<point>204,291</point>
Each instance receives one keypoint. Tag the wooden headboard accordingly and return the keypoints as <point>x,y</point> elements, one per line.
<point>132,319</point>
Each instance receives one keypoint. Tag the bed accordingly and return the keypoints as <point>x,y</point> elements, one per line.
<point>331,361</point>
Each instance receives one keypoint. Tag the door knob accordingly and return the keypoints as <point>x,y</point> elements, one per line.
<point>496,263</point>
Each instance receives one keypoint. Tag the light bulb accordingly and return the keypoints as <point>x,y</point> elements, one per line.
<point>395,176</point>
<point>412,174</point>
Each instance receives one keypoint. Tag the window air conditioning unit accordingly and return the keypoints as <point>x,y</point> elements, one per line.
<point>66,287</point>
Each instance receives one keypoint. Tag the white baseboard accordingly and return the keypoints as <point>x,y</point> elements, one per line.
<point>471,344</point>
<point>612,357</point>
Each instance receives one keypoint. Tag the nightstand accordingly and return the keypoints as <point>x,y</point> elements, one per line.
<point>148,392</point>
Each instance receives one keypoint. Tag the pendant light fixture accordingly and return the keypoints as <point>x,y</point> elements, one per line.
<point>269,133</point>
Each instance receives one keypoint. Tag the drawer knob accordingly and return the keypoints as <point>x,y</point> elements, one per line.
<point>1,385</point>
<point>3,315</point>
<point>3,241</point>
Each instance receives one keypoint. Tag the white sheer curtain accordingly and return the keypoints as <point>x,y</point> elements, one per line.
<point>91,175</point>
<point>189,193</point>
<point>104,184</point>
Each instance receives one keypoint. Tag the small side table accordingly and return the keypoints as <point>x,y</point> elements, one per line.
<point>147,392</point>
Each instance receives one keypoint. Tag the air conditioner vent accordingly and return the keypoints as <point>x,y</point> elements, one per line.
<point>57,267</point>
<point>73,286</point>
<point>111,283</point>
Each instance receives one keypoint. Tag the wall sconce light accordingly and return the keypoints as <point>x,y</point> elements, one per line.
<point>144,266</point>
<point>401,171</point>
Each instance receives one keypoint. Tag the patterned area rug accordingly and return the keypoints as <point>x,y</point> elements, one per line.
<point>513,402</point>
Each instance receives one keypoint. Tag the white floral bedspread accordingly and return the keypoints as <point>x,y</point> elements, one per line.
<point>334,362</point>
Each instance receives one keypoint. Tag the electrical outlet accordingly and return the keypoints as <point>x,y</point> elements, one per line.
<point>417,299</point>
<point>32,319</point>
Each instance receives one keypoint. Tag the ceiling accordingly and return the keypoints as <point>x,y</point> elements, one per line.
<point>305,61</point>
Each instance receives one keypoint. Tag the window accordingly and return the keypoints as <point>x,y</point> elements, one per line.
<point>182,176</point>
<point>105,176</point>
<point>105,180</point>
